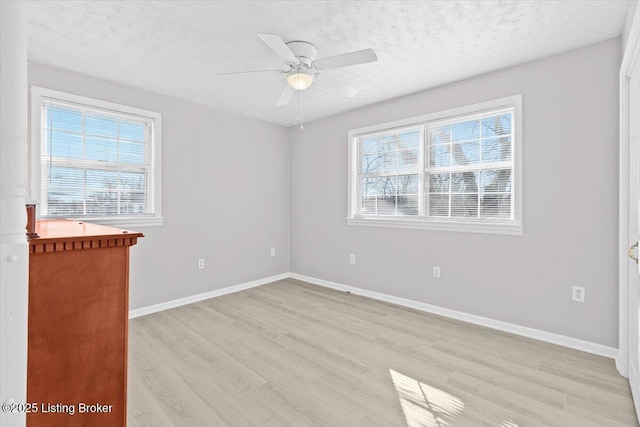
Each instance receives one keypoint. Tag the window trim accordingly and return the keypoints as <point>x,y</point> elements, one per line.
<point>37,93</point>
<point>510,227</point>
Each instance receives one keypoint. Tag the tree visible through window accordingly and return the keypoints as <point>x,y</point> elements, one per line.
<point>460,168</point>
<point>390,169</point>
<point>469,167</point>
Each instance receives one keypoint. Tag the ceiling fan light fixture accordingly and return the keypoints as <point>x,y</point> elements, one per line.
<point>300,80</point>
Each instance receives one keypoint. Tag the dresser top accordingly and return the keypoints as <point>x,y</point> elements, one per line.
<point>67,230</point>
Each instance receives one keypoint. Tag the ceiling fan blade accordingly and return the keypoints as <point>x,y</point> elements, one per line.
<point>346,59</point>
<point>338,86</point>
<point>277,45</point>
<point>252,72</point>
<point>285,96</point>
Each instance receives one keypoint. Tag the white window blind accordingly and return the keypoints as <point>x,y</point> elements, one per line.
<point>456,167</point>
<point>95,163</point>
<point>469,167</point>
<point>390,171</point>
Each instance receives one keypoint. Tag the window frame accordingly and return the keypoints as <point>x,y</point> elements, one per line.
<point>509,227</point>
<point>37,95</point>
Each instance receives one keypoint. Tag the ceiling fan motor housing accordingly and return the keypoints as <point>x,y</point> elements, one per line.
<point>304,51</point>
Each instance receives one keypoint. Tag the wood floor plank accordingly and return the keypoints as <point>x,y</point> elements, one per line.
<point>294,354</point>
<point>153,384</point>
<point>143,409</point>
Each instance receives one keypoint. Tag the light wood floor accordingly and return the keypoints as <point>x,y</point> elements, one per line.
<point>294,354</point>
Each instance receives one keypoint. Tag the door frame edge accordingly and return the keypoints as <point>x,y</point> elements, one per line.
<point>630,57</point>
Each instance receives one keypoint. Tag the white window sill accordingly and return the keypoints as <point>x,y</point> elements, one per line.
<point>513,228</point>
<point>126,223</point>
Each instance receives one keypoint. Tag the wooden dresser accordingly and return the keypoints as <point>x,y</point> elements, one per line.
<point>78,318</point>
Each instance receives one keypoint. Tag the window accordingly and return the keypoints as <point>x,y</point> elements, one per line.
<point>456,170</point>
<point>94,160</point>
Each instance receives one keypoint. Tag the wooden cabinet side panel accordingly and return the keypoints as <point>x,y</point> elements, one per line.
<point>78,310</point>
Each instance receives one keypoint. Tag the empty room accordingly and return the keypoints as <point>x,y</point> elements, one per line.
<point>320,213</point>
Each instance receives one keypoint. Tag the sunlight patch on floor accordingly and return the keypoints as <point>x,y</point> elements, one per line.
<point>424,405</point>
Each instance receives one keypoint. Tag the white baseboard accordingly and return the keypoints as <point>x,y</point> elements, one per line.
<point>574,343</point>
<point>206,295</point>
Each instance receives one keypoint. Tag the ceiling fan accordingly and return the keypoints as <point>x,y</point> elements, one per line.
<point>303,68</point>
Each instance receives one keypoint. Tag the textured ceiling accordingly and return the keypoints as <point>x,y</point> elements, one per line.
<point>177,48</point>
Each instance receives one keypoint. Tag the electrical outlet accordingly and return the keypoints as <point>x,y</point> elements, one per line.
<point>436,272</point>
<point>578,293</point>
<point>352,259</point>
<point>273,252</point>
<point>200,264</point>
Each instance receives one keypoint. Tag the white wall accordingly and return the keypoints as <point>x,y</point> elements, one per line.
<point>570,137</point>
<point>224,194</point>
